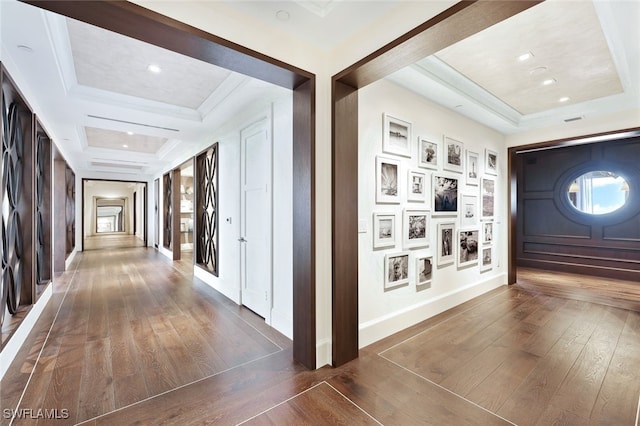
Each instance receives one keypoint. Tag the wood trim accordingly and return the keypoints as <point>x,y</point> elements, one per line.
<point>344,184</point>
<point>143,24</point>
<point>454,24</point>
<point>512,224</point>
<point>304,232</point>
<point>175,214</point>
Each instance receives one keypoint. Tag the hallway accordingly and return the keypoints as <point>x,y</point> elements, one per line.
<point>137,340</point>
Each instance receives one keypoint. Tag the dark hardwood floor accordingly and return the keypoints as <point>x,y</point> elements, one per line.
<point>137,340</point>
<point>606,291</point>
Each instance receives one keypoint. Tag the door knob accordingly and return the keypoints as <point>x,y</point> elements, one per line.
<point>242,240</point>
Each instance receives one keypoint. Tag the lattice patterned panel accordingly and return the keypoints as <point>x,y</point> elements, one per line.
<point>207,209</point>
<point>71,209</point>
<point>168,211</point>
<point>12,169</point>
<point>41,163</point>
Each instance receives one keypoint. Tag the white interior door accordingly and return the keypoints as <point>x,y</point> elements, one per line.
<point>255,227</point>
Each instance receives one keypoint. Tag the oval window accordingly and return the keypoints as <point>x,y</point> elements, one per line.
<point>598,192</point>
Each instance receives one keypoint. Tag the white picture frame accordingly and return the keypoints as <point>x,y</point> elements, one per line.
<point>424,271</point>
<point>396,269</point>
<point>415,228</point>
<point>387,180</point>
<point>444,194</point>
<point>418,186</point>
<point>472,164</point>
<point>468,247</point>
<point>384,230</point>
<point>396,138</point>
<point>486,258</point>
<point>487,233</point>
<point>487,198</point>
<point>490,162</point>
<point>428,153</point>
<point>469,211</point>
<point>445,253</point>
<point>453,155</point>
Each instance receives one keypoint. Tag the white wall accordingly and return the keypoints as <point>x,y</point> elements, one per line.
<point>279,114</point>
<point>381,312</point>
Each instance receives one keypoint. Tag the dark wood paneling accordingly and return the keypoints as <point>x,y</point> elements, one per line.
<point>552,234</point>
<point>542,218</point>
<point>345,223</point>
<point>304,232</point>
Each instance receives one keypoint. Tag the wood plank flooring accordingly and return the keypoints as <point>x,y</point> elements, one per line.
<point>137,340</point>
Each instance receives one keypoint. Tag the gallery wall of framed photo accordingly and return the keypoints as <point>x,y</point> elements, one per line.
<point>431,194</point>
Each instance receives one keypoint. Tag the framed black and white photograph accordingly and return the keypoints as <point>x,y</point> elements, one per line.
<point>486,262</point>
<point>418,186</point>
<point>424,271</point>
<point>487,189</point>
<point>453,155</point>
<point>487,233</point>
<point>469,211</point>
<point>415,228</point>
<point>396,269</point>
<point>446,243</point>
<point>397,136</point>
<point>384,230</point>
<point>387,180</point>
<point>490,162</point>
<point>428,154</point>
<point>473,168</point>
<point>444,195</point>
<point>468,247</point>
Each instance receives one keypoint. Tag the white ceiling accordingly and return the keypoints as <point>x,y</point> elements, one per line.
<point>96,88</point>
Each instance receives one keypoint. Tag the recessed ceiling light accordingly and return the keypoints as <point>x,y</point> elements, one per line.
<point>130,133</point>
<point>25,48</point>
<point>564,99</point>
<point>125,146</point>
<point>283,15</point>
<point>525,56</point>
<point>154,69</point>
<point>549,82</point>
<point>537,71</point>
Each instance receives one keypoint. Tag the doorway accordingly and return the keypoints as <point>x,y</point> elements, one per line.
<point>256,223</point>
<point>186,211</point>
<point>113,214</point>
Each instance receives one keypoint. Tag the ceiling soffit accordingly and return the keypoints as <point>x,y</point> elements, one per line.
<point>112,62</point>
<point>568,48</point>
<point>114,139</point>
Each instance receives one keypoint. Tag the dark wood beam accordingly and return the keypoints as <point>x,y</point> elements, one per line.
<point>460,21</point>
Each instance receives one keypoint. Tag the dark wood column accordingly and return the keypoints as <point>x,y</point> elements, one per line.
<point>175,218</point>
<point>345,223</point>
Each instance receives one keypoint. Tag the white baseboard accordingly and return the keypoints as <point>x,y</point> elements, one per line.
<point>282,322</point>
<point>214,282</point>
<point>10,351</point>
<point>379,328</point>
<point>70,258</point>
<point>323,353</point>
